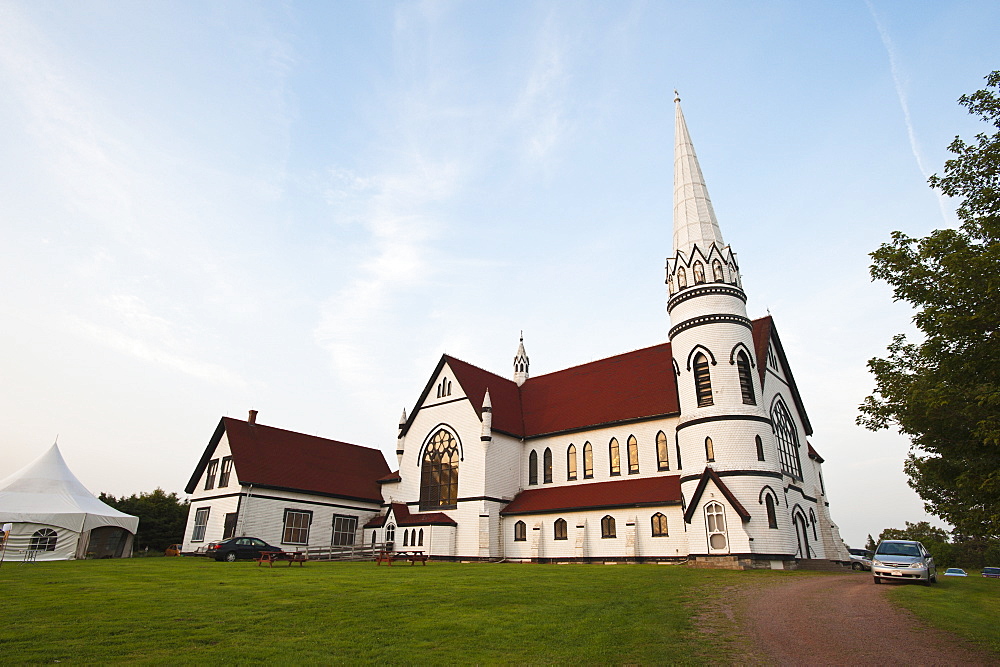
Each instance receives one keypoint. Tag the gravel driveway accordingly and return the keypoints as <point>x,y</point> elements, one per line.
<point>845,620</point>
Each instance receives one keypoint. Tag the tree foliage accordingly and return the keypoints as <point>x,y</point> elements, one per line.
<point>162,517</point>
<point>944,392</point>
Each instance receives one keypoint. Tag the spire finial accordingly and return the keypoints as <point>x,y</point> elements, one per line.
<point>677,96</point>
<point>694,218</point>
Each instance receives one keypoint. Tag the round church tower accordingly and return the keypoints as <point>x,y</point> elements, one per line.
<point>723,428</point>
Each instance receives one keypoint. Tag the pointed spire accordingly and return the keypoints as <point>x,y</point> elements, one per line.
<point>520,363</point>
<point>487,415</point>
<point>402,419</point>
<point>694,217</point>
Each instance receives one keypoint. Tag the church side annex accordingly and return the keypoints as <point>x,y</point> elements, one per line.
<point>695,449</point>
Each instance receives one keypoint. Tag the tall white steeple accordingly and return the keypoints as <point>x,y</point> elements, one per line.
<point>520,363</point>
<point>700,254</point>
<point>694,217</point>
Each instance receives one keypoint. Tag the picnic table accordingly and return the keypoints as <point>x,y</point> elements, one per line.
<point>388,556</point>
<point>270,557</point>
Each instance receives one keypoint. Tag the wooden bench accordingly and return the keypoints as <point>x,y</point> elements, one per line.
<point>270,557</point>
<point>383,557</point>
<point>414,557</point>
<point>388,556</point>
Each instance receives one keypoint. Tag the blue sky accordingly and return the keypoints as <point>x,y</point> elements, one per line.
<point>298,207</point>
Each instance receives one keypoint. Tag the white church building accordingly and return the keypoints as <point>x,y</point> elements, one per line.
<point>694,449</point>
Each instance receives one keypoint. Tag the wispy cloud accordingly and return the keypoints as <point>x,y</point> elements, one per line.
<point>142,334</point>
<point>899,84</point>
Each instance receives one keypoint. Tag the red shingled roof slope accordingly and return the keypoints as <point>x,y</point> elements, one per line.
<point>274,457</point>
<point>403,518</point>
<point>619,493</point>
<point>628,386</point>
<point>761,337</point>
<point>503,394</point>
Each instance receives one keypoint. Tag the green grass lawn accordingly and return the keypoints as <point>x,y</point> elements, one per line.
<point>191,610</point>
<point>966,606</point>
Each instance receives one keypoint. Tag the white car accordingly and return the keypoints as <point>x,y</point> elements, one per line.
<point>955,572</point>
<point>861,559</point>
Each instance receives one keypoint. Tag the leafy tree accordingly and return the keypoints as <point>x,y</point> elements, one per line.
<point>162,517</point>
<point>944,392</point>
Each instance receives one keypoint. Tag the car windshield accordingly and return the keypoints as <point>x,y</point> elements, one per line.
<point>897,549</point>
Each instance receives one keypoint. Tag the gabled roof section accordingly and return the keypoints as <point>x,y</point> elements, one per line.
<point>280,459</point>
<point>474,382</point>
<point>813,454</point>
<point>629,386</point>
<point>710,474</point>
<point>763,333</point>
<point>401,514</point>
<point>643,492</point>
<point>391,478</point>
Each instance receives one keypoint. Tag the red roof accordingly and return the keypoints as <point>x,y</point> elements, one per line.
<point>403,518</point>
<point>643,492</point>
<point>761,338</point>
<point>625,387</point>
<point>504,394</point>
<point>276,458</point>
<point>813,454</point>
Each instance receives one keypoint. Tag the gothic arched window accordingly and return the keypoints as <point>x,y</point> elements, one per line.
<point>702,381</point>
<point>547,466</point>
<point>588,461</point>
<point>608,527</point>
<point>709,449</point>
<point>746,378</point>
<point>662,458</point>
<point>760,447</point>
<point>717,272</point>
<point>420,538</point>
<point>659,522</point>
<point>715,522</point>
<point>571,463</point>
<point>772,517</point>
<point>559,529</point>
<point>533,467</point>
<point>615,456</point>
<point>520,532</point>
<point>439,473</point>
<point>633,455</point>
<point>788,440</point>
<point>390,533</point>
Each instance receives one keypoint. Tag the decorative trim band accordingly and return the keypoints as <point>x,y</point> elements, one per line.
<point>709,319</point>
<point>703,290</point>
<point>722,418</point>
<point>735,473</point>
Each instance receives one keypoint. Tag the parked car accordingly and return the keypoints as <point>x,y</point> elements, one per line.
<point>172,550</point>
<point>238,547</point>
<point>861,559</point>
<point>993,572</point>
<point>903,560</point>
<point>955,572</point>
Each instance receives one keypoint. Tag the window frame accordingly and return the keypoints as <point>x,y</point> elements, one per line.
<point>588,460</point>
<point>658,525</point>
<point>547,466</point>
<point>210,471</point>
<point>520,532</point>
<point>709,449</point>
<point>43,539</point>
<point>439,472</point>
<point>340,536</point>
<point>571,463</point>
<point>786,434</point>
<point>201,515</point>
<point>662,452</point>
<point>614,457</point>
<point>560,530</point>
<point>632,450</point>
<point>759,442</point>
<point>225,471</point>
<point>289,532</point>
<point>772,514</point>
<point>745,374</point>
<point>533,468</point>
<point>609,530</point>
<point>702,381</point>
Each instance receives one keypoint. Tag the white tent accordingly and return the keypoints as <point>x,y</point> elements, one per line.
<point>55,517</point>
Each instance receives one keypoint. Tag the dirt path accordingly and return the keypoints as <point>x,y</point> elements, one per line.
<point>845,619</point>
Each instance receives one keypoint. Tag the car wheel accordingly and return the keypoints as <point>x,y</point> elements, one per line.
<point>231,557</point>
<point>934,578</point>
<point>855,566</point>
<point>877,580</point>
